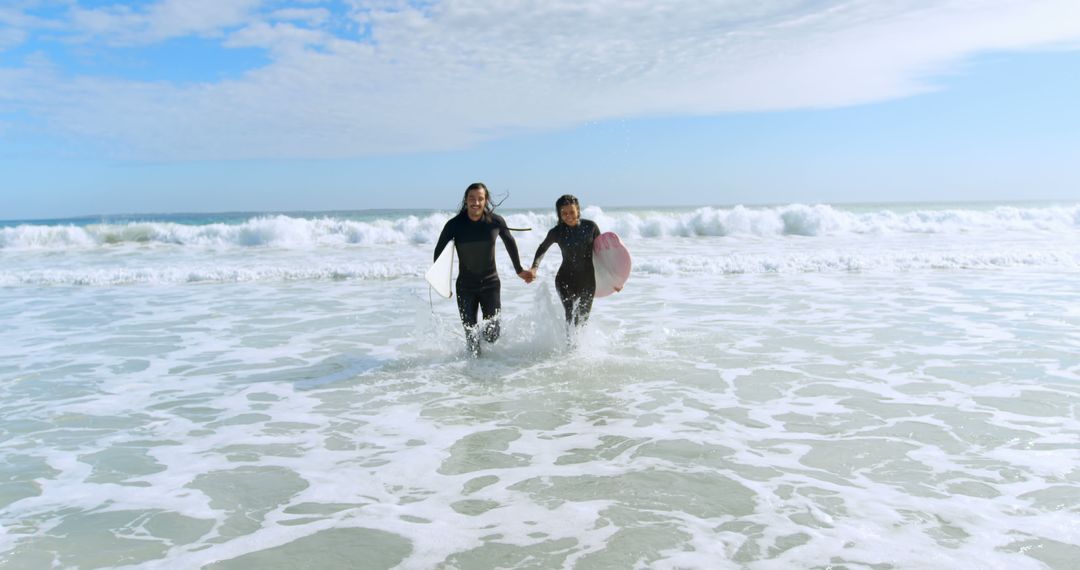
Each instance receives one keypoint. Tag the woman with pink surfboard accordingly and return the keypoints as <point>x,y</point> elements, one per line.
<point>593,264</point>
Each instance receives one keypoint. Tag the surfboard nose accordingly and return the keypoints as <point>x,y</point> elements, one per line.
<point>607,240</point>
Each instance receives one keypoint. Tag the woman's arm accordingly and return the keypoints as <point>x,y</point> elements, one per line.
<point>550,240</point>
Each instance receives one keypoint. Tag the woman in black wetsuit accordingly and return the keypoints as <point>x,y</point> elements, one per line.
<point>575,281</point>
<point>474,230</point>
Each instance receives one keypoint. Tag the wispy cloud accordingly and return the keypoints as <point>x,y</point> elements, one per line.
<point>15,24</point>
<point>311,16</point>
<point>11,37</point>
<point>121,24</point>
<point>384,77</point>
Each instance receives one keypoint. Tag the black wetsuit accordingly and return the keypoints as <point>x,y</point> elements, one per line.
<point>575,281</point>
<point>478,283</point>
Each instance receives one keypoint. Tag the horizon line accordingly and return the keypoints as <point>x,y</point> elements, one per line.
<point>1045,201</point>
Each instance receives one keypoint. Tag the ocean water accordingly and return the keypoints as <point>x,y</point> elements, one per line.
<point>798,386</point>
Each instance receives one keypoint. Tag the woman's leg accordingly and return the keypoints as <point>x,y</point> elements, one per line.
<point>576,302</point>
<point>583,306</point>
<point>566,297</point>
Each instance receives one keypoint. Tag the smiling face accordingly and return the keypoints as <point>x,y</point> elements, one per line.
<point>570,215</point>
<point>475,202</point>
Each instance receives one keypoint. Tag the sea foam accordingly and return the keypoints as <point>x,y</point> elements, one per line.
<point>294,232</point>
<point>831,409</point>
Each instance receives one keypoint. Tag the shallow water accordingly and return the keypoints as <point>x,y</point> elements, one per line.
<point>887,413</point>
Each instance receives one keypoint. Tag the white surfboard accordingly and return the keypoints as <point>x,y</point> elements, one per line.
<point>441,273</point>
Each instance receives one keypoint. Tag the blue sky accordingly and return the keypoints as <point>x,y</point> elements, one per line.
<point>226,105</point>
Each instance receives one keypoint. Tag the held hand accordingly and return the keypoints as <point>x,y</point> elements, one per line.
<point>526,275</point>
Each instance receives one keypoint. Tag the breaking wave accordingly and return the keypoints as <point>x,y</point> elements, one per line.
<point>293,232</point>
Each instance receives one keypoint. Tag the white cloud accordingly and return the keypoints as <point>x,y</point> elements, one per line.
<point>310,16</point>
<point>15,25</point>
<point>11,37</point>
<point>278,37</point>
<point>120,24</point>
<point>458,72</point>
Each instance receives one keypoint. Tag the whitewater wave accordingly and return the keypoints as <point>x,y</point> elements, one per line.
<point>180,274</point>
<point>731,264</point>
<point>791,220</point>
<point>824,220</point>
<point>270,231</point>
<point>843,262</point>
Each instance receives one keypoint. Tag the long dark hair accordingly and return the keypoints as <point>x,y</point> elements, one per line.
<point>489,208</point>
<point>565,200</point>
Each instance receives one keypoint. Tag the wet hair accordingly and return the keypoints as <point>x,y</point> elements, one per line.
<point>488,207</point>
<point>565,200</point>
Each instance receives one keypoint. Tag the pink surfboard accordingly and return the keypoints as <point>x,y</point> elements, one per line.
<point>611,263</point>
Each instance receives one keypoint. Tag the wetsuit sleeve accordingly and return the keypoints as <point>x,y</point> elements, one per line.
<point>444,238</point>
<point>511,245</point>
<point>550,240</point>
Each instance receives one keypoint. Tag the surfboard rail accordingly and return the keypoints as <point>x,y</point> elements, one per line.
<point>440,274</point>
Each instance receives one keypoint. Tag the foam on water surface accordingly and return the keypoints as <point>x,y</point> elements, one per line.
<point>893,417</point>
